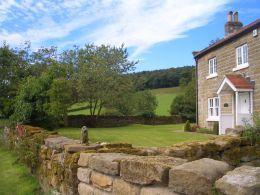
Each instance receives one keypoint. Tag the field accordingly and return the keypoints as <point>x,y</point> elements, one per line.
<point>139,135</point>
<point>164,97</point>
<point>14,177</point>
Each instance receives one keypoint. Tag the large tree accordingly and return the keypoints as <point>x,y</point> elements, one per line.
<point>101,75</point>
<point>14,67</point>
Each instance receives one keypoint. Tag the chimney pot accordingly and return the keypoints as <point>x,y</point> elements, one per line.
<point>236,17</point>
<point>229,16</point>
<point>232,25</point>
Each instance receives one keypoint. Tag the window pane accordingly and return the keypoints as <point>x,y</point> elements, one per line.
<point>211,111</point>
<point>216,111</point>
<point>239,56</point>
<point>245,54</point>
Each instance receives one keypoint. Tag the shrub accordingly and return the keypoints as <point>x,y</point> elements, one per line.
<point>146,104</point>
<point>185,104</point>
<point>187,126</point>
<point>194,128</point>
<point>252,133</point>
<point>216,128</point>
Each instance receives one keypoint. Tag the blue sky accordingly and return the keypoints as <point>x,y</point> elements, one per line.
<point>160,34</point>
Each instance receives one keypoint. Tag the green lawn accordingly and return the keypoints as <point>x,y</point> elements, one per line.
<point>164,97</point>
<point>15,178</point>
<point>3,122</point>
<point>139,135</point>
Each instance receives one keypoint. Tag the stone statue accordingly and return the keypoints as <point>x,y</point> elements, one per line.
<point>84,135</point>
<point>6,134</point>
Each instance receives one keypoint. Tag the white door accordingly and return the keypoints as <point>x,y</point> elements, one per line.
<point>243,111</point>
<point>244,103</point>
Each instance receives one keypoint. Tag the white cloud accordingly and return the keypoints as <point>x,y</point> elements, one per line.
<point>136,23</point>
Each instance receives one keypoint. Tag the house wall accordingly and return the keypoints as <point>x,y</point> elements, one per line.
<point>226,99</point>
<point>226,61</point>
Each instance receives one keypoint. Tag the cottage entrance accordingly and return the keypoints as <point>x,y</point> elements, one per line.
<point>236,102</point>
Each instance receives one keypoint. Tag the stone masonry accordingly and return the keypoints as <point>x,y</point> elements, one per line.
<point>226,60</point>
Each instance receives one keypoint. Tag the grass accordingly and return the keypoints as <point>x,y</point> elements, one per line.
<point>139,135</point>
<point>3,122</point>
<point>15,178</point>
<point>164,97</point>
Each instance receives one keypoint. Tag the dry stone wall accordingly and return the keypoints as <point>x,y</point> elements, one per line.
<point>224,165</point>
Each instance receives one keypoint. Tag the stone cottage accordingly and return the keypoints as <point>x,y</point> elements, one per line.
<point>228,76</point>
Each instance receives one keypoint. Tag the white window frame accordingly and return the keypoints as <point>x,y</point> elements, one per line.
<point>213,109</point>
<point>212,64</point>
<point>241,57</point>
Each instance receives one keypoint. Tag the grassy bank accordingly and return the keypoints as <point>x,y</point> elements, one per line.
<point>15,178</point>
<point>164,97</point>
<point>139,135</point>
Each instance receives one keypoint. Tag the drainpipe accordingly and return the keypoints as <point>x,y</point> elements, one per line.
<point>196,77</point>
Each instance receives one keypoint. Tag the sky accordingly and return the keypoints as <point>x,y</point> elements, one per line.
<point>159,34</point>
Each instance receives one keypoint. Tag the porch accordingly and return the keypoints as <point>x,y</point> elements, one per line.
<point>236,102</point>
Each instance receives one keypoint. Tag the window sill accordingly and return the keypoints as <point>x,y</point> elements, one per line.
<point>242,66</point>
<point>216,118</point>
<point>211,76</point>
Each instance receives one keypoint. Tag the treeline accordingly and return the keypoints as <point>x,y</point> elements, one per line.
<point>38,87</point>
<point>171,77</point>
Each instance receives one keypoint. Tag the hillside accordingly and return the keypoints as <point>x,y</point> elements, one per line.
<point>163,78</point>
<point>164,97</point>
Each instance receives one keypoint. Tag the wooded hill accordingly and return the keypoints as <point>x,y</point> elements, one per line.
<point>163,78</point>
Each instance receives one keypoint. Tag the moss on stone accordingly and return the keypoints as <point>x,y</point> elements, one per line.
<point>235,156</point>
<point>118,145</point>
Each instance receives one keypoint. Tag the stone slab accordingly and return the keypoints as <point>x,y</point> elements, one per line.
<point>58,142</point>
<point>102,181</point>
<point>84,159</point>
<point>157,190</point>
<point>148,169</point>
<point>72,148</point>
<point>197,177</point>
<point>85,189</point>
<point>84,174</point>
<point>103,162</point>
<point>121,187</point>
<point>244,180</point>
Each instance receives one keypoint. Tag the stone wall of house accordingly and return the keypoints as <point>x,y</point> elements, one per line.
<point>227,103</point>
<point>226,61</point>
<point>65,166</point>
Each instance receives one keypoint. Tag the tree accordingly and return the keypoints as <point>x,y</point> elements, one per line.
<point>13,69</point>
<point>185,105</point>
<point>146,103</point>
<point>43,100</point>
<point>60,94</point>
<point>100,75</point>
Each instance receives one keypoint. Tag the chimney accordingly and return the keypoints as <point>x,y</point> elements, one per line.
<point>232,25</point>
<point>229,16</point>
<point>236,17</point>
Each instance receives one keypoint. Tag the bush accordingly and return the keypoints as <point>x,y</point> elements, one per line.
<point>216,128</point>
<point>195,128</point>
<point>252,133</point>
<point>146,104</point>
<point>185,104</point>
<point>187,126</point>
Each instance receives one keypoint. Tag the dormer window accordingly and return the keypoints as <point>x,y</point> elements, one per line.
<point>212,68</point>
<point>241,57</point>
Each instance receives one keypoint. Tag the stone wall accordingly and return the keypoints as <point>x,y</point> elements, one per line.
<point>64,166</point>
<point>113,121</point>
